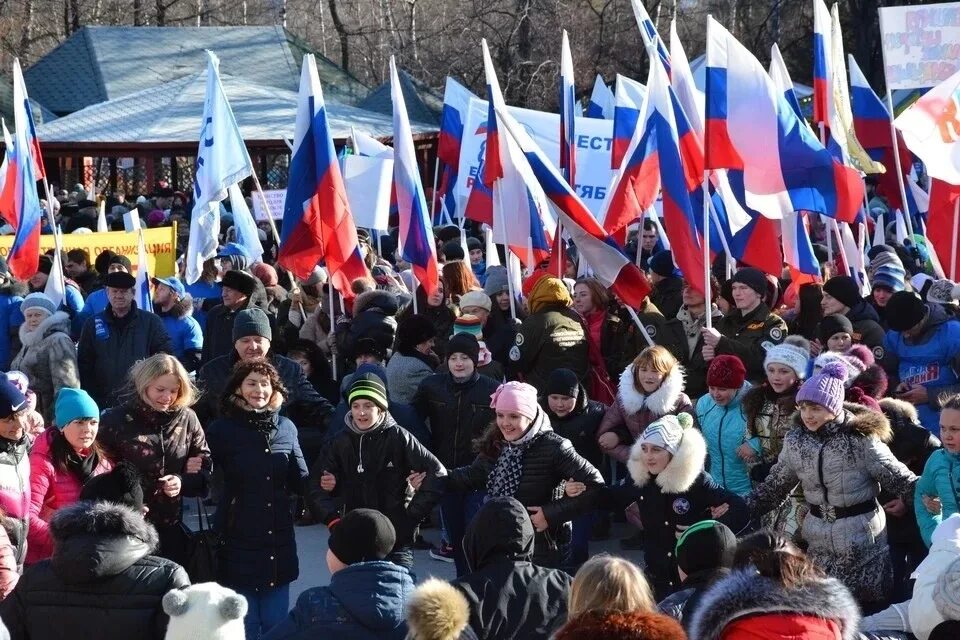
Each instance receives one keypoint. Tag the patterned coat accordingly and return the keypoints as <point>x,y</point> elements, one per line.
<point>844,463</point>
<point>49,358</point>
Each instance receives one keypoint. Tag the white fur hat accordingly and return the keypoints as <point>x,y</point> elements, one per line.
<point>205,611</point>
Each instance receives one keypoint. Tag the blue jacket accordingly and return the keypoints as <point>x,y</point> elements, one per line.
<point>931,360</point>
<point>205,297</point>
<point>10,320</point>
<point>262,465</point>
<point>941,478</point>
<point>725,429</point>
<point>364,601</point>
<point>95,303</point>
<point>185,332</point>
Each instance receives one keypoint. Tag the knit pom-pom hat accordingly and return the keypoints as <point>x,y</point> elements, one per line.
<point>826,388</point>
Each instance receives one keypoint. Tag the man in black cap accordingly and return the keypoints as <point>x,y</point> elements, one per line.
<point>361,582</point>
<point>107,262</point>
<point>667,292</point>
<point>238,287</point>
<point>113,340</point>
<point>922,355</point>
<point>841,294</point>
<point>750,329</point>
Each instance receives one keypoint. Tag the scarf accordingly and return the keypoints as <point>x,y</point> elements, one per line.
<point>82,467</point>
<point>504,478</point>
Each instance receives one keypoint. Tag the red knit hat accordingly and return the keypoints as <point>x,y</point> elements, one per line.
<point>726,372</point>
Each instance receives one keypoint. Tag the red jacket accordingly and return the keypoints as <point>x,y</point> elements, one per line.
<point>782,626</point>
<point>51,488</point>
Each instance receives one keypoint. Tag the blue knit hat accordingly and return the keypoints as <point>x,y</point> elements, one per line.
<point>827,388</point>
<point>890,275</point>
<point>74,404</point>
<point>11,399</point>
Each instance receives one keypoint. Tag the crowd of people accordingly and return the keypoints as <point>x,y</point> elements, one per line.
<point>784,458</point>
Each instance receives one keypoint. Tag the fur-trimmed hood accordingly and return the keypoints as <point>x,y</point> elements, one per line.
<point>437,611</point>
<point>857,420</point>
<point>660,402</point>
<point>181,309</point>
<point>59,321</point>
<point>384,301</point>
<point>896,409</point>
<point>682,470</point>
<point>756,397</point>
<point>744,593</point>
<point>93,540</point>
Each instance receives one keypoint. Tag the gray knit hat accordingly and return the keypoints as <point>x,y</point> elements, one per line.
<point>496,281</point>
<point>252,322</point>
<point>38,300</point>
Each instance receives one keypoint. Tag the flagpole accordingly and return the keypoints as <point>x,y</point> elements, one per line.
<point>643,329</point>
<point>58,242</point>
<point>416,285</point>
<point>956,231</point>
<point>433,194</point>
<point>330,288</point>
<point>557,245</point>
<point>708,316</point>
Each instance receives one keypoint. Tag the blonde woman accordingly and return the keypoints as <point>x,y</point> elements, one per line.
<point>156,430</point>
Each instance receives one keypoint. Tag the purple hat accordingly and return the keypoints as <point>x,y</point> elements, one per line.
<point>827,388</point>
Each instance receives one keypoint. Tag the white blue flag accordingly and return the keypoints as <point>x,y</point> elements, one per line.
<point>142,288</point>
<point>248,235</point>
<point>222,160</point>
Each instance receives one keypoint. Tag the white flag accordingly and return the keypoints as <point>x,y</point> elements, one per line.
<point>222,160</point>
<point>142,288</point>
<point>102,218</point>
<point>55,282</point>
<point>248,236</point>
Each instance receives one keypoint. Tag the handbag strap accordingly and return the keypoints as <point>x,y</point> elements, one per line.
<point>202,515</point>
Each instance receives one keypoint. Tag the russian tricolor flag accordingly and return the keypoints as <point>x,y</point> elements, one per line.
<point>417,245</point>
<point>650,36</point>
<point>456,101</point>
<point>568,101</point>
<point>628,101</point>
<point>822,98</point>
<point>750,126</point>
<point>24,165</point>
<point>601,101</point>
<point>317,222</point>
<point>597,249</point>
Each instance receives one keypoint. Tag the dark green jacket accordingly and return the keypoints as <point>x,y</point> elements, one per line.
<point>748,337</point>
<point>621,340</point>
<point>552,338</point>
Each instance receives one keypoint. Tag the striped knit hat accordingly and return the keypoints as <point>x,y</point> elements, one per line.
<point>368,386</point>
<point>667,432</point>
<point>468,324</point>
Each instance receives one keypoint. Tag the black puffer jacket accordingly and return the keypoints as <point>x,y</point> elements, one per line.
<point>668,296</point>
<point>509,596</point>
<point>374,317</point>
<point>371,469</point>
<point>580,426</point>
<point>620,337</point>
<point>262,466</point>
<point>458,412</point>
<point>548,461</point>
<point>218,332</point>
<point>866,328</point>
<point>101,582</point>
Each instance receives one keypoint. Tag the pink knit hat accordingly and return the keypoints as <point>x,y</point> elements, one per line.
<point>516,396</point>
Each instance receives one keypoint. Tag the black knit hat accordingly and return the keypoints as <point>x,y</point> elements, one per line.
<point>368,386</point>
<point>845,289</point>
<point>369,346</point>
<point>946,630</point>
<point>241,281</point>
<point>414,329</point>
<point>661,263</point>
<point>708,544</point>
<point>453,250</point>
<point>363,535</point>
<point>904,311</point>
<point>45,264</point>
<point>831,324</point>
<point>474,243</point>
<point>466,344</point>
<point>563,382</point>
<point>753,278</point>
<point>252,322</point>
<point>122,260</point>
<point>122,486</point>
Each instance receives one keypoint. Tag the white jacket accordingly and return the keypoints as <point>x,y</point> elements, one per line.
<point>944,549</point>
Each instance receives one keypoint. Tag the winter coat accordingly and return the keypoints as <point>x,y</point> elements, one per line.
<point>306,408</point>
<point>580,426</point>
<point>15,492</point>
<point>844,463</point>
<point>745,605</point>
<point>725,429</point>
<point>9,572</point>
<point>682,336</point>
<point>100,583</point>
<point>748,337</point>
<point>634,410</point>
<point>404,375</point>
<point>932,360</point>
<point>404,414</point>
<point>205,295</point>
<point>667,295</point>
<point>157,444</point>
<point>682,605</point>
<point>374,317</point>
<point>458,414</point>
<point>620,337</point>
<point>262,464</point>
<point>866,328</point>
<point>110,346</point>
<point>499,334</point>
<point>184,331</point>
<point>922,611</point>
<point>941,478</point>
<point>51,489</point>
<point>769,418</point>
<point>11,295</point>
<point>680,495</point>
<point>218,332</point>
<point>510,596</point>
<point>371,469</point>
<point>548,462</point>
<point>552,338</point>
<point>364,601</point>
<point>49,358</point>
